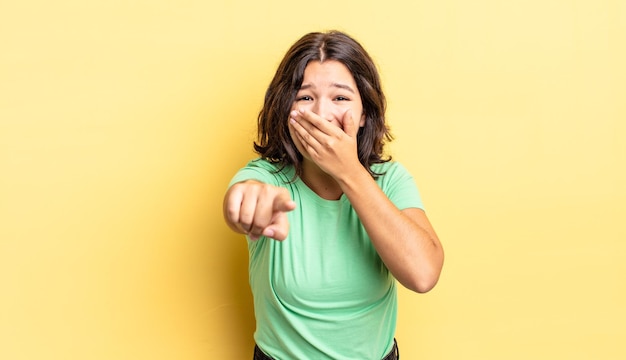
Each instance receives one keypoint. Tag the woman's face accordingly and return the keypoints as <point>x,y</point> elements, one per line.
<point>329,90</point>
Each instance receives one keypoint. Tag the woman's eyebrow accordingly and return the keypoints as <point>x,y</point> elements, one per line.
<point>337,85</point>
<point>343,86</point>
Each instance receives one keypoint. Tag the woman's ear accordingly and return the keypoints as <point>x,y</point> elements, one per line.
<point>362,121</point>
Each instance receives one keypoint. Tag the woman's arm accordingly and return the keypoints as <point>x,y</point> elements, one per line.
<point>405,240</point>
<point>254,208</point>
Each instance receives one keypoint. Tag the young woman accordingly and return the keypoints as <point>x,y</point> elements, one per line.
<point>331,223</point>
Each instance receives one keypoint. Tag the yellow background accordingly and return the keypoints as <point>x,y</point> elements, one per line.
<point>121,123</point>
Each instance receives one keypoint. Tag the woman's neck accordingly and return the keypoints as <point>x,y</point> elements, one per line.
<point>320,182</point>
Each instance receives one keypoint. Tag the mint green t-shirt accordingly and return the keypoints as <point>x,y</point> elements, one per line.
<point>324,292</point>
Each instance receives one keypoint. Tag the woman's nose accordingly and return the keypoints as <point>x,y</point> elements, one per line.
<point>323,110</point>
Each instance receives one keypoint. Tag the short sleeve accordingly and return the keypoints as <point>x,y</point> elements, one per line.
<point>259,170</point>
<point>400,187</point>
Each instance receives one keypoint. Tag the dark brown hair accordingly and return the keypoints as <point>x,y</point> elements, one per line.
<point>274,142</point>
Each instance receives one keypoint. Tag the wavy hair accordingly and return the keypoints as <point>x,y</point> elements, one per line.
<point>274,142</point>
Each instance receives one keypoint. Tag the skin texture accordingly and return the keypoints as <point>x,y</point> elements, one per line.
<point>324,121</point>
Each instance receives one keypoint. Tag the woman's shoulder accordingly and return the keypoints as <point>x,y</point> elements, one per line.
<point>269,165</point>
<point>389,168</point>
<point>399,185</point>
<point>391,173</point>
<point>263,164</point>
<point>268,169</point>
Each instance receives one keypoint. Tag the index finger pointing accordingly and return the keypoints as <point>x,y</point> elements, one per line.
<point>283,202</point>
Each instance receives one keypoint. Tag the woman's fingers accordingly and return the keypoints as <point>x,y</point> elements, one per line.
<point>349,124</point>
<point>279,228</point>
<point>259,209</point>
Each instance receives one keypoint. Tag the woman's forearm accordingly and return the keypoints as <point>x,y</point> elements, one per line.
<point>405,240</point>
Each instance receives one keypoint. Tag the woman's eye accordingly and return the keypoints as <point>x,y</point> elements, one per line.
<point>304,98</point>
<point>341,98</point>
